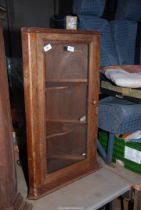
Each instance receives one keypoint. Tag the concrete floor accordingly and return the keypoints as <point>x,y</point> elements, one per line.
<point>88,193</point>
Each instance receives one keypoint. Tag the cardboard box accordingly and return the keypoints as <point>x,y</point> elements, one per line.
<point>71,22</point>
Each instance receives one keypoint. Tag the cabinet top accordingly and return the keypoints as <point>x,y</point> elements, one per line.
<point>60,31</point>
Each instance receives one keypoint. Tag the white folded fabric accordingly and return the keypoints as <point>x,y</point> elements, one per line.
<point>123,78</point>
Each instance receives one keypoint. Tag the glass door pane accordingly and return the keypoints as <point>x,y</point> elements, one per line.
<point>66,104</point>
<point>66,145</point>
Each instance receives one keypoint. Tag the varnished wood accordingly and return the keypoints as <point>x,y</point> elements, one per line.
<point>9,198</point>
<point>8,186</point>
<point>58,31</point>
<point>60,87</point>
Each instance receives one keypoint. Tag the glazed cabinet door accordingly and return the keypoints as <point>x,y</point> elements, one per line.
<point>61,98</point>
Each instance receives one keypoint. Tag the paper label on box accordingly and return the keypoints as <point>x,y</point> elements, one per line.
<point>47,47</point>
<point>132,154</point>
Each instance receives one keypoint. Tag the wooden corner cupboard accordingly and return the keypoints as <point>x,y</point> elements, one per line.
<point>61,100</point>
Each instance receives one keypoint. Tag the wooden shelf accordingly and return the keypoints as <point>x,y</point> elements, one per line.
<point>68,82</point>
<point>67,157</point>
<point>59,134</point>
<point>68,121</point>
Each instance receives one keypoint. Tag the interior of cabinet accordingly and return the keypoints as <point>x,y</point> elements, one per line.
<point>66,119</point>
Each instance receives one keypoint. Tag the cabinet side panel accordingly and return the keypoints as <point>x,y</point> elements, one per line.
<point>93,96</point>
<point>32,111</point>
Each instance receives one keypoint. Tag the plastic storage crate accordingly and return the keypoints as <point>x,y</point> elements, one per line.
<point>118,151</point>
